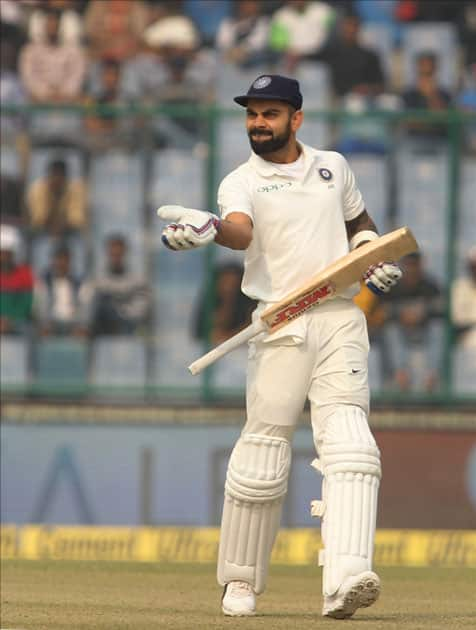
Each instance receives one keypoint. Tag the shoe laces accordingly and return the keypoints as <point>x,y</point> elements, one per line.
<point>239,589</point>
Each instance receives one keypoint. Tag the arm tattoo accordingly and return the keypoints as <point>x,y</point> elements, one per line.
<point>360,223</point>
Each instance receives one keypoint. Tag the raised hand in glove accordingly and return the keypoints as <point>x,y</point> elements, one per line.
<point>382,277</point>
<point>189,228</point>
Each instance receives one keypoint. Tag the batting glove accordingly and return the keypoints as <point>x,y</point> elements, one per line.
<point>189,228</point>
<point>382,277</point>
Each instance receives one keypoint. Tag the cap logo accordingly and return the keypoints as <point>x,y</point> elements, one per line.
<point>261,83</point>
<point>326,174</point>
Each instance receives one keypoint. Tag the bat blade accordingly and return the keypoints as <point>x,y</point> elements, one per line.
<point>322,287</point>
<point>339,276</point>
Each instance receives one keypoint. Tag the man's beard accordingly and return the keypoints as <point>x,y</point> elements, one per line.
<point>272,143</point>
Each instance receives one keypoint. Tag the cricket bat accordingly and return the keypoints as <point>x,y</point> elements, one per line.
<point>322,287</point>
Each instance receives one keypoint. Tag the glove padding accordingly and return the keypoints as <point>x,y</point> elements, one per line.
<point>382,277</point>
<point>189,228</point>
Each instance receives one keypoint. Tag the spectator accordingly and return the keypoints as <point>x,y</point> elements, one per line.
<point>301,28</point>
<point>354,68</point>
<point>184,73</point>
<point>12,22</point>
<point>52,72</point>
<point>16,284</point>
<point>427,94</point>
<point>231,310</point>
<point>358,85</point>
<point>70,29</point>
<point>173,70</point>
<point>463,303</point>
<point>122,300</point>
<point>243,38</point>
<point>106,129</point>
<point>414,305</point>
<point>114,28</point>
<point>56,202</point>
<point>61,298</point>
<point>14,141</point>
<point>207,15</point>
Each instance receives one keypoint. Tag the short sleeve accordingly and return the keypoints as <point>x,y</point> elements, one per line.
<point>234,195</point>
<point>353,202</point>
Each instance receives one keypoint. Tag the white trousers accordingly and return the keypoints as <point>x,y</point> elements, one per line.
<point>321,356</point>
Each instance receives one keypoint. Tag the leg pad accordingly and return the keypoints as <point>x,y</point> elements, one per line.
<point>350,462</point>
<point>255,486</point>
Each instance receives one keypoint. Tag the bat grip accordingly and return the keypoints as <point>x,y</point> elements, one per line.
<point>227,346</point>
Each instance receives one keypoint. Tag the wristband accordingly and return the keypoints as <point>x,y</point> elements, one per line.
<point>362,237</point>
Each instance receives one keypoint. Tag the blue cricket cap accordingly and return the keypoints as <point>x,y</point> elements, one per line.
<point>273,87</point>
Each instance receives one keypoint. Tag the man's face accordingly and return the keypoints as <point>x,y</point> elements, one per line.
<point>6,259</point>
<point>270,125</point>
<point>298,5</point>
<point>116,255</point>
<point>61,264</point>
<point>248,8</point>
<point>349,29</point>
<point>426,67</point>
<point>412,270</point>
<point>52,28</point>
<point>56,180</point>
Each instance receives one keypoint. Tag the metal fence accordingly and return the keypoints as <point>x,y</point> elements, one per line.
<point>413,167</point>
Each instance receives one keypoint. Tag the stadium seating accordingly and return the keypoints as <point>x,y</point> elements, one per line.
<point>40,157</point>
<point>233,146</point>
<point>14,361</point>
<point>439,38</point>
<point>380,38</point>
<point>375,369</point>
<point>117,205</point>
<point>56,128</point>
<point>177,177</point>
<point>421,204</point>
<point>229,373</point>
<point>42,247</point>
<point>371,174</point>
<point>118,362</point>
<point>418,360</point>
<point>464,370</point>
<point>466,220</point>
<point>233,81</point>
<point>315,86</point>
<point>178,280</point>
<point>61,362</point>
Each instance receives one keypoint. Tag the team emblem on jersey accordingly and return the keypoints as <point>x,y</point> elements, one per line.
<point>325,174</point>
<point>261,83</point>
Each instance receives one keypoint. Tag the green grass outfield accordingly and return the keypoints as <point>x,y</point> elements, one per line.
<point>54,595</point>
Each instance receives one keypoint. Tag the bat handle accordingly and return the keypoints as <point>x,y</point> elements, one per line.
<point>227,346</point>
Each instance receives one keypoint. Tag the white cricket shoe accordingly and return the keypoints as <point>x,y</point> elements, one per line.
<point>238,600</point>
<point>357,591</point>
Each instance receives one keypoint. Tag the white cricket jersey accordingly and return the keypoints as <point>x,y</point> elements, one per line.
<point>298,219</point>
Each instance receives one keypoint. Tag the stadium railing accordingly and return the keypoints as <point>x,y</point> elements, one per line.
<point>178,154</point>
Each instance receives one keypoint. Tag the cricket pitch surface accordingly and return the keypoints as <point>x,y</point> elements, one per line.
<point>63,595</point>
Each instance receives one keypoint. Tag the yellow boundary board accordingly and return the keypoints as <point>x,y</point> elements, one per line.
<point>403,547</point>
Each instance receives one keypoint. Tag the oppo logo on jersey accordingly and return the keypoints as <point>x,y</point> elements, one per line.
<point>274,187</point>
<point>315,296</point>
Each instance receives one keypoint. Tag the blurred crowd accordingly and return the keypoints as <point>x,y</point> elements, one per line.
<point>61,54</point>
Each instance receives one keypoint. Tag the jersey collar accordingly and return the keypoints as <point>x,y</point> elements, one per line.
<point>268,169</point>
